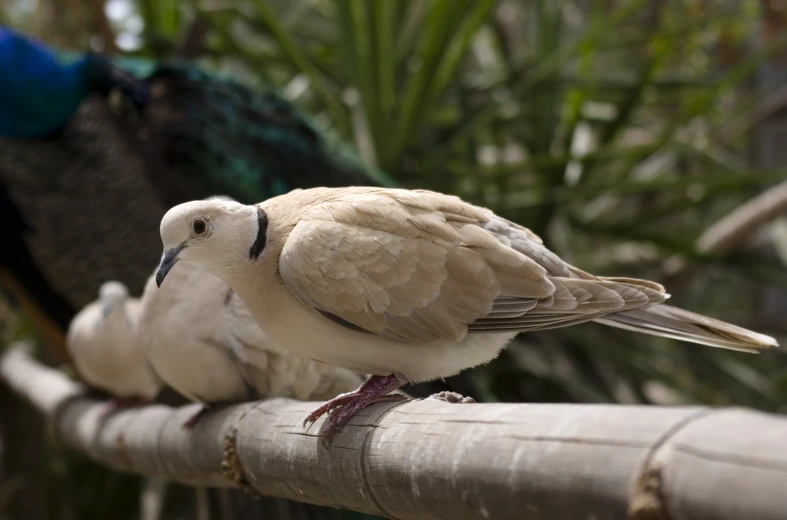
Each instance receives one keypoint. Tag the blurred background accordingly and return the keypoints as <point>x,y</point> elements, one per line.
<point>619,131</point>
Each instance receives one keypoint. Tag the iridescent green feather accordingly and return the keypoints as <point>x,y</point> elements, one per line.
<point>255,144</point>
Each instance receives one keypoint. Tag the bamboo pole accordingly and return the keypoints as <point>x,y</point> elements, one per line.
<point>427,459</point>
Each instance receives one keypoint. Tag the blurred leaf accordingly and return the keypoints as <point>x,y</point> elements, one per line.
<point>551,64</point>
<point>499,101</point>
<point>449,28</point>
<point>299,60</point>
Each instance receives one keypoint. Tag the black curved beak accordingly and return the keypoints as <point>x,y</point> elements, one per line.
<point>168,261</point>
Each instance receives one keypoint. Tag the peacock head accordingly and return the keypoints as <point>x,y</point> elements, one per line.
<point>41,92</point>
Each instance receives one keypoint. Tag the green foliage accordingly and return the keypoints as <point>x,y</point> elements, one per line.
<point>617,130</point>
<point>602,126</point>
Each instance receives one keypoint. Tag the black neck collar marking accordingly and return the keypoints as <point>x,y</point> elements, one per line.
<point>259,243</point>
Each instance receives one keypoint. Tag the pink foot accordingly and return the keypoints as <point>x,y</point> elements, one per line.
<point>192,421</point>
<point>343,407</point>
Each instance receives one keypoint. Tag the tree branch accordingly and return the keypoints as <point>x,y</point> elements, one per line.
<point>732,231</point>
<point>429,459</point>
<point>741,224</point>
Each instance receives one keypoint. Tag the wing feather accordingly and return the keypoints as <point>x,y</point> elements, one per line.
<point>425,267</point>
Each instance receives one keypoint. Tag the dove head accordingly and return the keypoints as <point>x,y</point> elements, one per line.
<point>112,295</point>
<point>213,235</point>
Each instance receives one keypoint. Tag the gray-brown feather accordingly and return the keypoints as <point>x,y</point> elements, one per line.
<point>422,266</point>
<point>668,321</point>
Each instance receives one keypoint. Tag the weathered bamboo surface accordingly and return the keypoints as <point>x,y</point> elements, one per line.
<point>429,459</point>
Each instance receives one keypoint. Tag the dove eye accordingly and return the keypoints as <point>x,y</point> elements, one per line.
<point>200,227</point>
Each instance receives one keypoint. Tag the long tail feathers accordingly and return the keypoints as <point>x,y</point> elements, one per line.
<point>671,322</point>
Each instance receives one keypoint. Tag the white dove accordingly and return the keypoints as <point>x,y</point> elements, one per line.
<point>408,286</point>
<point>203,342</point>
<point>104,345</point>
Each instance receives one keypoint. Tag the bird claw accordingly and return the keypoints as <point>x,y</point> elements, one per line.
<point>192,421</point>
<point>452,397</point>
<point>340,417</point>
<point>329,406</point>
<point>342,408</point>
<point>327,435</point>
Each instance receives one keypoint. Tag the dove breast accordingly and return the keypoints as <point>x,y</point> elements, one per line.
<point>107,353</point>
<point>204,343</point>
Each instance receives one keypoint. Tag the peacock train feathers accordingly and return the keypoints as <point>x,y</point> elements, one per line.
<point>85,179</point>
<point>245,144</point>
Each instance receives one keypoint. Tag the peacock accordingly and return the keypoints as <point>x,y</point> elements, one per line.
<point>93,152</point>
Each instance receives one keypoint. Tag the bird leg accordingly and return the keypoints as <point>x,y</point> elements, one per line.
<point>192,421</point>
<point>343,407</point>
<point>390,398</point>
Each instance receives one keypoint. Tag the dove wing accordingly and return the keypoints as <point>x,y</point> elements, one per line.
<point>410,265</point>
<point>423,266</point>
